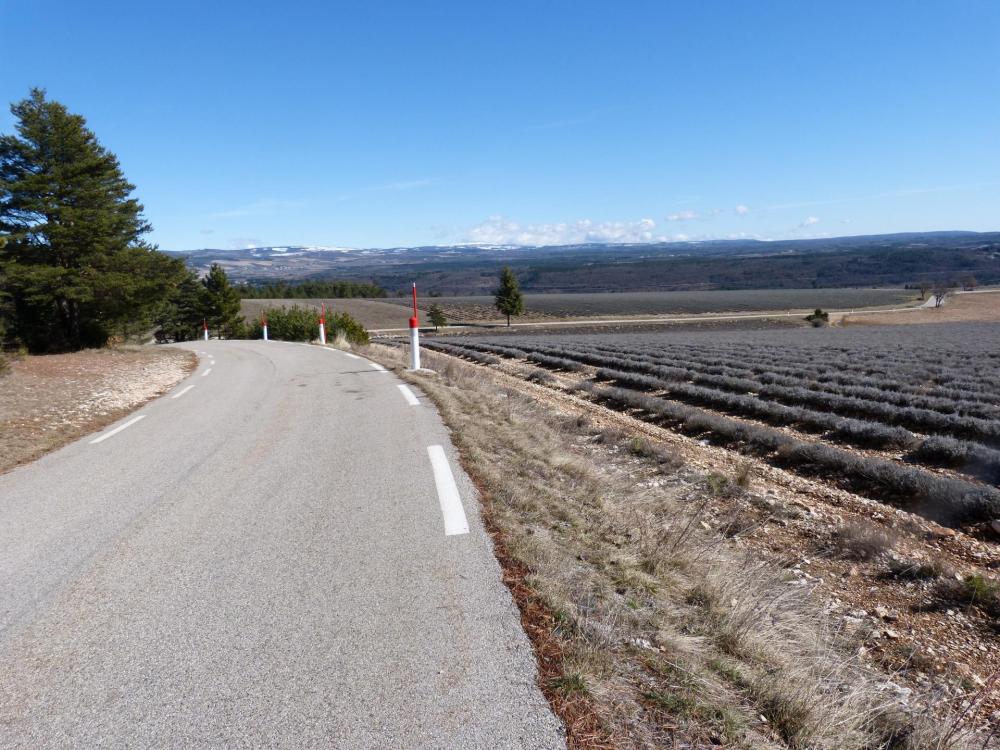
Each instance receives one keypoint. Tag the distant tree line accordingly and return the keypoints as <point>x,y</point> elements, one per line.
<point>640,270</point>
<point>311,290</point>
<point>75,270</point>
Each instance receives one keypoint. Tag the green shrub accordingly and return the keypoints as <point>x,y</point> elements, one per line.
<point>342,324</point>
<point>288,324</point>
<point>819,318</point>
<point>302,324</point>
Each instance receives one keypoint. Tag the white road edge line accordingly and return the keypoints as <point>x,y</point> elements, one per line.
<point>117,429</point>
<point>410,396</point>
<point>181,393</point>
<point>206,372</point>
<point>377,366</point>
<point>451,503</point>
<point>341,351</point>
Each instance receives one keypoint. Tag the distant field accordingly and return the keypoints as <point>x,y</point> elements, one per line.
<point>958,308</point>
<point>554,306</point>
<point>370,313</point>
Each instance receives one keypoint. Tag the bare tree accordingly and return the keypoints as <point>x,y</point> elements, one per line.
<point>925,287</point>
<point>969,283</point>
<point>940,291</point>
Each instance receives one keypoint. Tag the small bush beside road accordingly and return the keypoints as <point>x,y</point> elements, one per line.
<point>296,323</point>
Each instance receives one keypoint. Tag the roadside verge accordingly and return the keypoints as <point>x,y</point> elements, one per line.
<point>652,624</point>
<point>51,400</point>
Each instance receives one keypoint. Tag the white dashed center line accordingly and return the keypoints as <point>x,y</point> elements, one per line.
<point>182,392</point>
<point>206,372</point>
<point>377,366</point>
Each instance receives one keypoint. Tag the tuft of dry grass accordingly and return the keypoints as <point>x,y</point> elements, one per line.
<point>858,540</point>
<point>652,628</point>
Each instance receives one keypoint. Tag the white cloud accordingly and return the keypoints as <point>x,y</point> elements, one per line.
<point>742,210</point>
<point>683,216</point>
<point>809,221</point>
<point>244,243</point>
<point>498,230</point>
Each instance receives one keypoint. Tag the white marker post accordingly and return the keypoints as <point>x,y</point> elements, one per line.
<point>263,323</point>
<point>204,324</point>
<point>414,334</point>
<point>322,324</point>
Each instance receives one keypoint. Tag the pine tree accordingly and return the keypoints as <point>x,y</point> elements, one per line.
<point>76,266</point>
<point>222,302</point>
<point>437,316</point>
<point>179,317</point>
<point>509,300</point>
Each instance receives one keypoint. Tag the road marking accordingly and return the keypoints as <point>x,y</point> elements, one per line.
<point>181,393</point>
<point>451,502</point>
<point>346,354</point>
<point>206,372</point>
<point>409,395</point>
<point>377,366</point>
<point>117,429</point>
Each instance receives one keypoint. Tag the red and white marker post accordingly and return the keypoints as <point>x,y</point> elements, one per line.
<point>414,334</point>
<point>263,323</point>
<point>204,325</point>
<point>322,325</point>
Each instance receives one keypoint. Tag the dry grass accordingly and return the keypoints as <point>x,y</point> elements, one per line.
<point>49,401</point>
<point>654,630</point>
<point>959,308</point>
<point>860,540</point>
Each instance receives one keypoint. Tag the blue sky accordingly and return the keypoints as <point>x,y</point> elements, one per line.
<point>403,123</point>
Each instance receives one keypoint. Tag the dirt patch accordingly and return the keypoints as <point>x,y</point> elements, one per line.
<point>49,401</point>
<point>960,308</point>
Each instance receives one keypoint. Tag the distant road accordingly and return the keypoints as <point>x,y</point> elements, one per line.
<point>281,553</point>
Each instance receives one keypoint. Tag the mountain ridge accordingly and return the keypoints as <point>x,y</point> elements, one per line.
<point>855,260</point>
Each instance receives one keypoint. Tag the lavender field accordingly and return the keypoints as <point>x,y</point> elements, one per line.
<point>910,417</point>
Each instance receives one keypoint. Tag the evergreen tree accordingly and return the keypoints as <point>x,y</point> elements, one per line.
<point>509,300</point>
<point>75,264</point>
<point>222,303</point>
<point>437,316</point>
<point>179,317</point>
<point>5,301</point>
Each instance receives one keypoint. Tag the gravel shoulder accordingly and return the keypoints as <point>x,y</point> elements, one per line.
<point>49,401</point>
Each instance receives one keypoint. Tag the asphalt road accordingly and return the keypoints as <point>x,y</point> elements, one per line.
<point>274,555</point>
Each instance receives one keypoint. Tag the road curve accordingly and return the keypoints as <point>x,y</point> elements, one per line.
<point>270,556</point>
